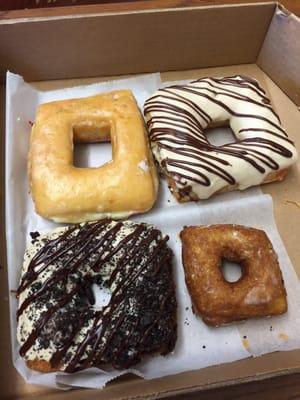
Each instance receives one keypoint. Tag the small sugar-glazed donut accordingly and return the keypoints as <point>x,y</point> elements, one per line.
<point>260,290</point>
<point>177,117</point>
<point>60,327</point>
<point>65,193</point>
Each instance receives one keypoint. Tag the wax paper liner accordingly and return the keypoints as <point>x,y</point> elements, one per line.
<point>198,345</point>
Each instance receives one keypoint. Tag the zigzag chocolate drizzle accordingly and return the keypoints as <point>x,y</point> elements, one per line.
<point>133,261</point>
<point>177,117</point>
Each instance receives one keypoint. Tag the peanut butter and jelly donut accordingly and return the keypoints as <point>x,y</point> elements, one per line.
<point>59,325</point>
<point>260,290</point>
<point>177,117</point>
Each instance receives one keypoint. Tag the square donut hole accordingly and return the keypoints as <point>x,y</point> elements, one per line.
<point>91,144</point>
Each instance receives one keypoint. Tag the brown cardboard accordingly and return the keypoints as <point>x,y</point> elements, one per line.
<point>102,45</point>
<point>285,213</point>
<point>276,363</point>
<point>280,53</point>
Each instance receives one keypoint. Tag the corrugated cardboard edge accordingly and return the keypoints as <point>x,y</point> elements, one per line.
<point>283,37</point>
<point>92,394</point>
<point>94,10</point>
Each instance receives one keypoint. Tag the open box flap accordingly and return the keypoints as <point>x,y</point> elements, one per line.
<point>280,53</point>
<point>116,44</point>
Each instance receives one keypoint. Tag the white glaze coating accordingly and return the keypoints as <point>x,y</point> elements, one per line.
<point>178,115</point>
<point>58,317</point>
<point>29,317</point>
<point>32,314</point>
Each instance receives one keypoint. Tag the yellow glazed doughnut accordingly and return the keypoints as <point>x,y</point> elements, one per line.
<point>124,186</point>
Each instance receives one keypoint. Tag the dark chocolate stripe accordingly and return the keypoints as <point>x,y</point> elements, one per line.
<point>117,294</point>
<point>180,138</point>
<point>237,96</point>
<point>68,267</point>
<point>229,110</point>
<point>198,110</point>
<point>141,251</point>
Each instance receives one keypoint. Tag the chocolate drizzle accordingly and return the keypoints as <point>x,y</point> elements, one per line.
<point>177,117</point>
<point>133,262</point>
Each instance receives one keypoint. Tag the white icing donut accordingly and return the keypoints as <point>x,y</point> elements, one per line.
<point>177,117</point>
<point>60,326</point>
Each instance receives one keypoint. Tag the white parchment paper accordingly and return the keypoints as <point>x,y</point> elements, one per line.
<point>197,346</point>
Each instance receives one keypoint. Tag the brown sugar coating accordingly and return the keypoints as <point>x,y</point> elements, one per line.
<point>259,292</point>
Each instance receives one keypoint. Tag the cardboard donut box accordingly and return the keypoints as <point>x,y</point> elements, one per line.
<point>261,40</point>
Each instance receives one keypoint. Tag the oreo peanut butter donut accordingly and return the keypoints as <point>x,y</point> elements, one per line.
<point>59,327</point>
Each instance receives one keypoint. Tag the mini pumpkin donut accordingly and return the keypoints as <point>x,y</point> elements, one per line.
<point>177,117</point>
<point>65,193</point>
<point>259,292</point>
<point>59,327</point>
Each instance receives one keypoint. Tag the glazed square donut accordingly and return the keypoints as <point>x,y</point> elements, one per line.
<point>260,290</point>
<point>64,193</point>
<point>177,117</point>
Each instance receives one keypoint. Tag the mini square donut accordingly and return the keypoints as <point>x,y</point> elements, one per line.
<point>260,290</point>
<point>64,193</point>
<point>177,117</point>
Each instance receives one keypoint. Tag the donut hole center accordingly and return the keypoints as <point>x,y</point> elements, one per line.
<point>218,136</point>
<point>91,145</point>
<point>101,296</point>
<point>91,155</point>
<point>231,270</point>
